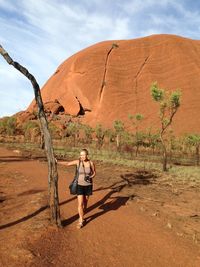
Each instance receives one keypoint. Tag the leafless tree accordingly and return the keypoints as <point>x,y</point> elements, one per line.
<point>52,166</point>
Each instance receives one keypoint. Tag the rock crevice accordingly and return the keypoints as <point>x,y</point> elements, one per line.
<point>136,82</point>
<point>117,83</point>
<point>104,74</point>
<point>82,110</point>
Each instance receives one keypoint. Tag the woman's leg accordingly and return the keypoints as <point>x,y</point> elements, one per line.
<point>80,207</point>
<point>85,202</point>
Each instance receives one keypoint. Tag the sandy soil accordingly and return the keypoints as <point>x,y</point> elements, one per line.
<point>134,218</point>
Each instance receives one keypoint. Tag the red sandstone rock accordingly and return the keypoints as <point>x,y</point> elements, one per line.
<point>24,116</point>
<point>110,81</point>
<point>52,106</point>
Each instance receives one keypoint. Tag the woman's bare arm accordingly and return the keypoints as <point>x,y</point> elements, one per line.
<point>93,169</point>
<point>69,163</point>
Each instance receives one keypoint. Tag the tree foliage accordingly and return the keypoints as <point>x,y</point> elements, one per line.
<point>100,134</point>
<point>88,133</point>
<point>8,125</point>
<point>139,136</point>
<point>168,106</point>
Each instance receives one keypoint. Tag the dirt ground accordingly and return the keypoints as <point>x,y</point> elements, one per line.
<point>134,218</point>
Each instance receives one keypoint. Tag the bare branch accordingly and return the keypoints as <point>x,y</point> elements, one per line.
<point>52,167</point>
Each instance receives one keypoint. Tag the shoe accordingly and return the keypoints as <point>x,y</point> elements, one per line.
<point>79,225</point>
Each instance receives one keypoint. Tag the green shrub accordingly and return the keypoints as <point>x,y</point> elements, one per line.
<point>8,125</point>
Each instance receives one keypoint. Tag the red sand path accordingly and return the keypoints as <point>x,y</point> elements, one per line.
<point>115,235</point>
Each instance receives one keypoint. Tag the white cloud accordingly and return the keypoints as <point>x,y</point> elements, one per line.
<point>7,5</point>
<point>137,6</point>
<point>41,34</point>
<point>16,91</point>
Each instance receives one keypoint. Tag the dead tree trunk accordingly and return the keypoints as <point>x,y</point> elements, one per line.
<point>52,167</point>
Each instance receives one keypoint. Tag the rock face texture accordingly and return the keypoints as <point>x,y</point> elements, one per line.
<point>110,80</point>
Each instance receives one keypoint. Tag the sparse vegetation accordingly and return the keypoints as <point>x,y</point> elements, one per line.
<point>194,140</point>
<point>100,135</point>
<point>139,136</point>
<point>88,133</point>
<point>73,129</point>
<point>31,128</point>
<point>8,125</point>
<point>168,106</point>
<point>119,129</point>
<point>54,130</point>
<point>143,148</point>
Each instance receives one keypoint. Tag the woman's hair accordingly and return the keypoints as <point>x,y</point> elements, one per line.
<point>85,150</point>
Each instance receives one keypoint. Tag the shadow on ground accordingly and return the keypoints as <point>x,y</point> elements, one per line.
<point>139,177</point>
<point>127,180</point>
<point>114,203</point>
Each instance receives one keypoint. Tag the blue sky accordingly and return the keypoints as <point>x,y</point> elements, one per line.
<point>41,34</point>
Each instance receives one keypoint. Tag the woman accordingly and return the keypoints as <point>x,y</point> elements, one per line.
<point>86,171</point>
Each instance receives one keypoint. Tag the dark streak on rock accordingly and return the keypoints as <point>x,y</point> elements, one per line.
<point>135,81</point>
<point>105,72</point>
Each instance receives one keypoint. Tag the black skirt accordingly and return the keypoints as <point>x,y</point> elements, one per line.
<point>84,190</point>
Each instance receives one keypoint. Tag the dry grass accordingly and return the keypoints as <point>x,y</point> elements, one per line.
<point>185,174</point>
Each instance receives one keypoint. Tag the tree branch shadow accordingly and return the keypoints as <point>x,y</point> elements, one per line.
<point>139,177</point>
<point>101,204</point>
<point>27,217</point>
<point>113,205</point>
<point>24,218</point>
<point>15,160</point>
<point>127,180</point>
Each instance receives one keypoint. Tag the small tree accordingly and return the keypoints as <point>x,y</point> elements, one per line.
<point>110,137</point>
<point>136,120</point>
<point>194,140</point>
<point>100,134</point>
<point>171,144</point>
<point>153,139</point>
<point>88,133</point>
<point>110,134</point>
<point>28,128</point>
<point>119,129</point>
<point>54,131</point>
<point>8,125</point>
<point>73,130</point>
<point>168,105</point>
<point>128,142</point>
<point>11,125</point>
<point>3,125</point>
